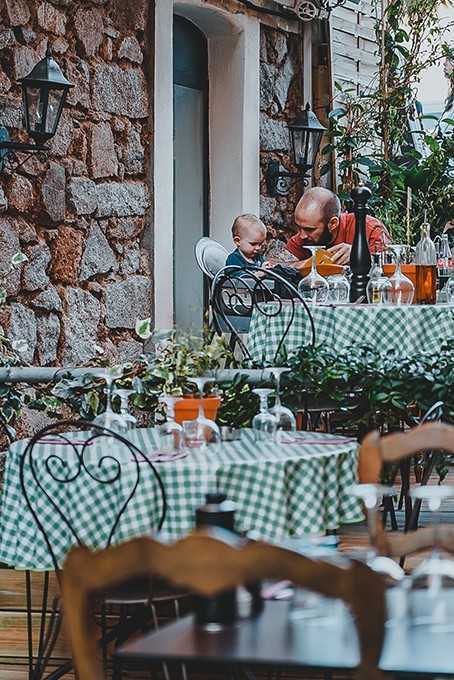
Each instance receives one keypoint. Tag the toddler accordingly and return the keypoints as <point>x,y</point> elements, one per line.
<point>249,234</point>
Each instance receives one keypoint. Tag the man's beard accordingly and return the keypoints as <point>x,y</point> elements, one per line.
<point>325,238</point>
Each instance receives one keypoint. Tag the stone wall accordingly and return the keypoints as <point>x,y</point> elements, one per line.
<point>280,102</point>
<point>82,216</point>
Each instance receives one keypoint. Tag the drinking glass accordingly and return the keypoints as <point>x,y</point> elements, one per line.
<point>264,423</point>
<point>207,432</point>
<point>339,288</point>
<point>430,586</point>
<point>371,495</point>
<point>109,419</point>
<point>313,286</point>
<point>402,289</point>
<point>378,283</point>
<point>286,421</point>
<point>124,394</point>
<point>170,433</point>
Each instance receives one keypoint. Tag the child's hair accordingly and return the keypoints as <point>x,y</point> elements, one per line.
<point>245,222</point>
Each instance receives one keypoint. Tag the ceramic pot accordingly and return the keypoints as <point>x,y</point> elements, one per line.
<point>188,408</point>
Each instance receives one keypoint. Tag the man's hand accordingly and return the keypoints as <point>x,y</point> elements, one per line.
<point>340,254</point>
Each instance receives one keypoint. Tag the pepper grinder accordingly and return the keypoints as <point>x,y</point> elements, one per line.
<point>360,259</point>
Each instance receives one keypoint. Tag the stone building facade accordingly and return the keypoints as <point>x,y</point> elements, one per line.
<point>96,218</point>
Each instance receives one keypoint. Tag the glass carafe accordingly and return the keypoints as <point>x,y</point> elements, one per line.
<point>378,283</point>
<point>444,265</point>
<point>426,268</point>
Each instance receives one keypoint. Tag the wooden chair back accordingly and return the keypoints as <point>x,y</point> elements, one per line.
<point>207,566</point>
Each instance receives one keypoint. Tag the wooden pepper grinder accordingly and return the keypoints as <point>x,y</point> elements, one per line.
<point>360,259</point>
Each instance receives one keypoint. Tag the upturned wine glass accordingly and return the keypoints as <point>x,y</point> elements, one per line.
<point>109,419</point>
<point>430,586</point>
<point>207,432</point>
<point>170,433</point>
<point>264,423</point>
<point>124,394</point>
<point>314,287</point>
<point>371,495</point>
<point>339,288</point>
<point>286,420</point>
<point>402,289</point>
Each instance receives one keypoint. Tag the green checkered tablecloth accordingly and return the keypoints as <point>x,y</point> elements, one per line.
<point>407,328</point>
<point>281,490</point>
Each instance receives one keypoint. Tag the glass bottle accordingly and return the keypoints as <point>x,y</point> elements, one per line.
<point>444,264</point>
<point>426,267</point>
<point>377,283</point>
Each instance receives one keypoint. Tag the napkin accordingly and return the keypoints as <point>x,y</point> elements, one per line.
<point>289,438</point>
<point>163,456</point>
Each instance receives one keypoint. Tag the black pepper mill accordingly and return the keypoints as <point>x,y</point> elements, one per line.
<point>360,259</point>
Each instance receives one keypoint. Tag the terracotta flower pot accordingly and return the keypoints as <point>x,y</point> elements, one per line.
<point>188,408</point>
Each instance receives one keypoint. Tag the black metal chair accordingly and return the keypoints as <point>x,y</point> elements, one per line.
<point>238,292</point>
<point>78,489</point>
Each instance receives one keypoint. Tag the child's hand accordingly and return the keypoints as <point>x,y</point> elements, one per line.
<point>267,265</point>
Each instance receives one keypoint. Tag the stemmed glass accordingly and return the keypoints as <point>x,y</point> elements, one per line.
<point>286,421</point>
<point>371,495</point>
<point>430,582</point>
<point>170,433</point>
<point>109,419</point>
<point>313,286</point>
<point>264,423</point>
<point>402,289</point>
<point>339,288</point>
<point>124,395</point>
<point>207,431</point>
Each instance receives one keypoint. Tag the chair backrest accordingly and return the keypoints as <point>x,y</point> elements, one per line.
<point>210,255</point>
<point>208,566</point>
<point>376,449</point>
<point>79,486</point>
<point>239,292</point>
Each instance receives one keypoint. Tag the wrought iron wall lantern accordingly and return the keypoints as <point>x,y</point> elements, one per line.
<point>44,93</point>
<point>305,134</point>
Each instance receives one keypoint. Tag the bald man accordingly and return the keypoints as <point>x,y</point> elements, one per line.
<point>320,221</point>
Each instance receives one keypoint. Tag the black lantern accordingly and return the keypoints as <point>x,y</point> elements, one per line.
<point>44,93</point>
<point>305,135</point>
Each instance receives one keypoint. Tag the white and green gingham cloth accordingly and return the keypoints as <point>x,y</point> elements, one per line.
<point>281,490</point>
<point>407,328</point>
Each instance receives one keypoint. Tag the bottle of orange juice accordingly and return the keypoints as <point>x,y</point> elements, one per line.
<point>426,267</point>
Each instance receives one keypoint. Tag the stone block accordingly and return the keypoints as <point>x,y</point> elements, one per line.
<point>121,200</point>
<point>127,301</point>
<point>51,19</point>
<point>60,46</point>
<point>9,246</point>
<point>26,232</point>
<point>89,30</point>
<point>21,195</point>
<point>22,326</point>
<point>24,34</point>
<point>3,201</point>
<point>98,256</point>
<point>34,275</point>
<point>82,195</point>
<point>278,42</point>
<point>81,321</point>
<point>18,12</point>
<point>79,75</point>
<point>7,38</point>
<point>66,252</point>
<point>129,15</point>
<point>129,350</point>
<point>274,135</point>
<point>53,191</point>
<point>48,299</point>
<point>125,227</point>
<point>59,144</point>
<point>5,83</point>
<point>283,81</point>
<point>131,261</point>
<point>48,334</point>
<point>267,76</point>
<point>103,158</point>
<point>267,209</point>
<point>133,154</point>
<point>121,91</point>
<point>131,50</point>
<point>25,60</point>
<point>10,112</point>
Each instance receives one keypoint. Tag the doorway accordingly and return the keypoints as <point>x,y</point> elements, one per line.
<point>190,154</point>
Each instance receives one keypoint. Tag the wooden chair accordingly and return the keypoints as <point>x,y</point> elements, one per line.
<point>207,566</point>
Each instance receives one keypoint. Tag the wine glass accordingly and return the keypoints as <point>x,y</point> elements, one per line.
<point>286,421</point>
<point>170,433</point>
<point>402,289</point>
<point>264,423</point>
<point>371,495</point>
<point>207,432</point>
<point>124,394</point>
<point>313,286</point>
<point>109,419</point>
<point>339,288</point>
<point>430,582</point>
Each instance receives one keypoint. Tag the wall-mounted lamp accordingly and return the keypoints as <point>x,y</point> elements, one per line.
<point>306,134</point>
<point>44,93</point>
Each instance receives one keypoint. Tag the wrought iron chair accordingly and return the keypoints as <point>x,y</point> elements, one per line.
<point>239,292</point>
<point>207,566</point>
<point>78,488</point>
